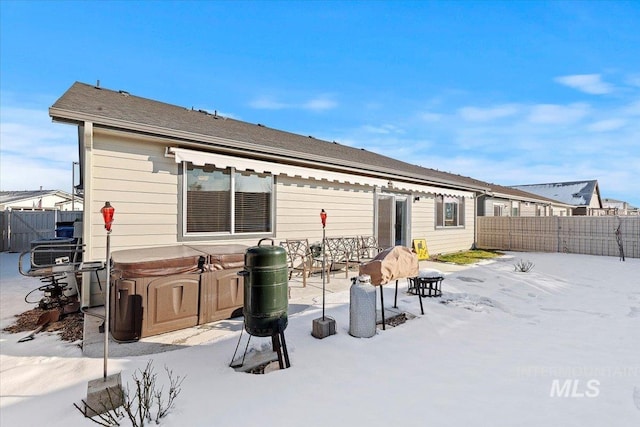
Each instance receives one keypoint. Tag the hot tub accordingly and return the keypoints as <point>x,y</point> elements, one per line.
<point>164,289</point>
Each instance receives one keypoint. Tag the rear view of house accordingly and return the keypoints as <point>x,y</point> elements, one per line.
<point>181,176</point>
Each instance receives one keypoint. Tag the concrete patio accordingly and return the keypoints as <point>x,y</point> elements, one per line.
<point>301,298</point>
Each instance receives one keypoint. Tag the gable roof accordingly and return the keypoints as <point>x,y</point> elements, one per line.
<point>121,110</point>
<point>575,193</point>
<point>19,196</point>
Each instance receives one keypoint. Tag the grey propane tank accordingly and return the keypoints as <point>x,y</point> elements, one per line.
<point>362,307</point>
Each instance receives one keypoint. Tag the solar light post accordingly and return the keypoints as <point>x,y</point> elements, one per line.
<point>323,219</point>
<point>107,214</point>
<point>106,393</point>
<point>323,326</point>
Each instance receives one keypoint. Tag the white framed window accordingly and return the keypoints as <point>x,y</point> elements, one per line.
<point>498,209</point>
<point>226,202</point>
<point>515,208</point>
<point>449,211</point>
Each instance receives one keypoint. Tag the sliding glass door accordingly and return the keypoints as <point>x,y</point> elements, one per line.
<point>392,220</point>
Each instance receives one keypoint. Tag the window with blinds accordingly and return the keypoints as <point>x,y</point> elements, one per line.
<point>449,211</point>
<point>224,201</point>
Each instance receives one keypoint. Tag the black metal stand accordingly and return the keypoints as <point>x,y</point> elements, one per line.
<point>425,286</point>
<point>280,346</point>
<point>382,307</point>
<point>395,300</point>
<point>278,343</point>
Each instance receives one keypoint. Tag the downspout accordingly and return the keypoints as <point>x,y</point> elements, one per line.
<point>86,144</point>
<point>475,222</point>
<point>475,216</point>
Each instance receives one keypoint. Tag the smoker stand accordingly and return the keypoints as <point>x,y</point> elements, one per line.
<point>278,344</point>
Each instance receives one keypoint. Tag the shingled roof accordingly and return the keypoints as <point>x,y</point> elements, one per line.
<point>121,110</point>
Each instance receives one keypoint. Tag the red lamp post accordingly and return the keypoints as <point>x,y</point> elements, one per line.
<point>323,218</point>
<point>323,326</point>
<point>107,214</point>
<point>108,390</point>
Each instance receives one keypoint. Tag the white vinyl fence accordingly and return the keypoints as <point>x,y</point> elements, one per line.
<point>21,227</point>
<point>590,235</point>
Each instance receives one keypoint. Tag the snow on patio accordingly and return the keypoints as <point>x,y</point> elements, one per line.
<point>559,345</point>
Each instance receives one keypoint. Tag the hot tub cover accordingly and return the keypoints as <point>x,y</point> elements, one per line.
<point>392,263</point>
<point>222,257</point>
<point>178,259</point>
<point>157,261</point>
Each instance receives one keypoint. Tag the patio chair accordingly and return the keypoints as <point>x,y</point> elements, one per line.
<point>301,259</point>
<point>343,253</point>
<point>369,248</point>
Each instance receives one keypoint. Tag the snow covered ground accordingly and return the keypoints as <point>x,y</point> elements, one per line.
<point>559,345</point>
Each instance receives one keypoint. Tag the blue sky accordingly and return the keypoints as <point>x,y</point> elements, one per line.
<point>514,92</point>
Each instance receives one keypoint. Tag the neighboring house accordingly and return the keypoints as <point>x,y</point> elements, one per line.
<point>177,175</point>
<point>507,201</point>
<point>40,200</point>
<point>618,207</point>
<point>584,196</point>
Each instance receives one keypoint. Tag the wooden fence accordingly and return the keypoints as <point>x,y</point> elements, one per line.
<point>21,227</point>
<point>590,235</point>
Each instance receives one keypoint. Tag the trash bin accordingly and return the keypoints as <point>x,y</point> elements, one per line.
<point>64,229</point>
<point>362,307</point>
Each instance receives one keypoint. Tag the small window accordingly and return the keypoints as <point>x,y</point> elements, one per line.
<point>449,211</point>
<point>223,201</point>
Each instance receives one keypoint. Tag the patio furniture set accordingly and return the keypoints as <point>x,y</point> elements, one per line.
<point>340,252</point>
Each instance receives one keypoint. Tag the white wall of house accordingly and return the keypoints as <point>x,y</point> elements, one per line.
<point>442,239</point>
<point>143,185</point>
<point>349,208</point>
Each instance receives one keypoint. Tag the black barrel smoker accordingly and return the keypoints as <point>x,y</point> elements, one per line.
<point>266,297</point>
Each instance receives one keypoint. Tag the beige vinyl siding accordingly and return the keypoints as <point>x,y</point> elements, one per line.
<point>141,184</point>
<point>529,210</point>
<point>423,219</point>
<point>491,202</point>
<point>442,239</point>
<point>299,202</point>
<point>452,239</point>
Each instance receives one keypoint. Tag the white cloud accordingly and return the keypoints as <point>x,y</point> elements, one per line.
<point>632,109</point>
<point>588,83</point>
<point>606,125</point>
<point>35,152</point>
<point>430,117</point>
<point>476,114</point>
<point>319,104</point>
<point>634,80</point>
<point>266,103</point>
<point>558,114</point>
<point>383,130</point>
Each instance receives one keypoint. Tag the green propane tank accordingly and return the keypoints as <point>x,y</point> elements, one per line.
<point>265,289</point>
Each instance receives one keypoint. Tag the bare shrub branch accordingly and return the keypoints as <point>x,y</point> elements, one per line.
<point>139,405</point>
<point>523,266</point>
